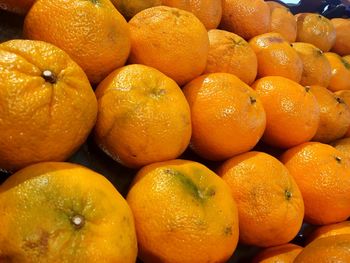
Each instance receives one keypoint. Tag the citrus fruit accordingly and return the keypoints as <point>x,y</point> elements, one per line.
<point>267,198</point>
<point>345,96</point>
<point>16,6</point>
<point>340,79</point>
<point>330,230</point>
<point>129,8</point>
<point>342,42</point>
<point>171,40</point>
<point>280,254</point>
<point>227,116</point>
<point>230,53</point>
<point>47,106</point>
<point>323,176</point>
<point>143,116</point>
<point>93,33</point>
<point>183,213</point>
<point>343,145</point>
<point>62,212</point>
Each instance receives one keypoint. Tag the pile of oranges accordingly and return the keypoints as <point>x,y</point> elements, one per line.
<point>260,94</point>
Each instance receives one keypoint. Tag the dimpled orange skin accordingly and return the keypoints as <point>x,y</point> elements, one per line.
<point>40,121</point>
<point>227,116</point>
<point>230,53</point>
<point>316,68</point>
<point>343,145</point>
<point>323,176</point>
<point>184,213</point>
<point>92,32</point>
<point>340,79</point>
<point>247,18</point>
<point>130,8</point>
<point>292,112</point>
<point>37,208</point>
<point>267,198</point>
<point>342,42</point>
<point>315,29</point>
<point>282,21</point>
<point>276,57</point>
<point>279,254</point>
<point>334,115</point>
<point>171,40</point>
<point>345,96</point>
<point>330,230</point>
<point>143,116</point>
<point>326,250</point>
<point>16,6</point>
<point>208,11</point>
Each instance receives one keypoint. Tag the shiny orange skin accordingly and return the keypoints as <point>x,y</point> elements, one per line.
<point>130,8</point>
<point>315,29</point>
<point>93,33</point>
<point>281,254</point>
<point>276,57</point>
<point>267,198</point>
<point>184,213</point>
<point>343,145</point>
<point>230,53</point>
<point>326,250</point>
<point>340,79</point>
<point>16,6</point>
<point>316,67</point>
<point>342,42</point>
<point>247,18</point>
<point>207,11</point>
<point>323,176</point>
<point>282,21</point>
<point>292,112</point>
<point>143,116</point>
<point>38,207</point>
<point>227,116</point>
<point>330,230</point>
<point>39,120</point>
<point>171,40</point>
<point>334,115</point>
<point>345,96</point>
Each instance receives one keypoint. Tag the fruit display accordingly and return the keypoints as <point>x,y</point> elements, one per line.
<point>163,131</point>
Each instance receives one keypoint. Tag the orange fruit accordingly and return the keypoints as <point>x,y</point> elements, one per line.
<point>276,57</point>
<point>247,18</point>
<point>342,42</point>
<point>47,104</point>
<point>323,176</point>
<point>282,254</point>
<point>345,96</point>
<point>282,21</point>
<point>227,116</point>
<point>62,212</point>
<point>292,112</point>
<point>93,33</point>
<point>143,116</point>
<point>326,250</point>
<point>343,145</point>
<point>230,53</point>
<point>183,213</point>
<point>207,11</point>
<point>330,230</point>
<point>17,6</point>
<point>171,40</point>
<point>315,29</point>
<point>347,58</point>
<point>316,68</point>
<point>267,198</point>
<point>334,115</point>
<point>130,8</point>
<point>340,79</point>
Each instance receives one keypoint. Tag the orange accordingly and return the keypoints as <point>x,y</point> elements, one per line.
<point>342,42</point>
<point>247,18</point>
<point>207,11</point>
<point>16,6</point>
<point>227,116</point>
<point>330,230</point>
<point>143,116</point>
<point>267,198</point>
<point>292,112</point>
<point>323,176</point>
<point>62,212</point>
<point>230,53</point>
<point>276,57</point>
<point>316,68</point>
<point>184,213</point>
<point>340,79</point>
<point>343,145</point>
<point>345,96</point>
<point>47,106</point>
<point>281,254</point>
<point>315,29</point>
<point>93,33</point>
<point>130,8</point>
<point>282,21</point>
<point>326,250</point>
<point>171,40</point>
<point>347,58</point>
<point>334,115</point>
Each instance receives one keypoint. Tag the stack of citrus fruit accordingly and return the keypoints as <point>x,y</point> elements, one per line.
<point>259,95</point>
